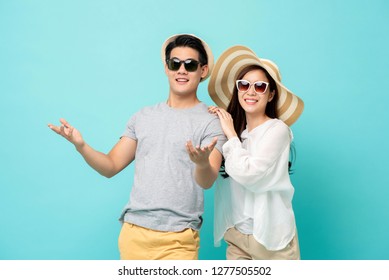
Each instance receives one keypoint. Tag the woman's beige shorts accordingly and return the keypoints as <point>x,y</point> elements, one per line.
<point>245,247</point>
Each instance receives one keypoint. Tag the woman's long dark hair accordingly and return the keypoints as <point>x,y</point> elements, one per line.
<point>239,115</point>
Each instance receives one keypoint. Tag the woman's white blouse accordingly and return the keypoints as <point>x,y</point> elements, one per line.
<point>258,185</point>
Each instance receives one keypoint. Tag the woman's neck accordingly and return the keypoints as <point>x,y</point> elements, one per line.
<point>254,120</point>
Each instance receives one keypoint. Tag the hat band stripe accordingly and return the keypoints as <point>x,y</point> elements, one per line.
<point>286,101</point>
<point>217,94</point>
<point>293,113</point>
<point>290,109</point>
<point>272,69</point>
<point>296,114</point>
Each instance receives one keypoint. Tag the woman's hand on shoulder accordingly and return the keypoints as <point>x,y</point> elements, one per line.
<point>226,120</point>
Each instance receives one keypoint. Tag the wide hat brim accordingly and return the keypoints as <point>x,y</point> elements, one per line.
<point>231,63</point>
<point>206,47</point>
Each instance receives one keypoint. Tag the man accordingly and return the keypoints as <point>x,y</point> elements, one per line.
<point>174,144</point>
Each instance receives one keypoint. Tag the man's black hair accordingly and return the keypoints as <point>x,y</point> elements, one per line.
<point>188,41</point>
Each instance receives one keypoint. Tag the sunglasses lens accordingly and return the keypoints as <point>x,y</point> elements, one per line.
<point>260,87</point>
<point>243,86</point>
<point>191,65</point>
<point>173,64</point>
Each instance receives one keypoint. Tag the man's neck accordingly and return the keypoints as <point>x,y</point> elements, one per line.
<point>182,102</point>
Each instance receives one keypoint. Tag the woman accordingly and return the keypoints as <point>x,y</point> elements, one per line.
<point>253,201</point>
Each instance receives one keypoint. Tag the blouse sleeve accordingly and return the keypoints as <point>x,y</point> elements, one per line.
<point>254,166</point>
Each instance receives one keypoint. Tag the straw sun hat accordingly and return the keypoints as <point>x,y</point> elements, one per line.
<point>206,47</point>
<point>225,73</point>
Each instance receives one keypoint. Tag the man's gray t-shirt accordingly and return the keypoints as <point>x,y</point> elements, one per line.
<point>165,195</point>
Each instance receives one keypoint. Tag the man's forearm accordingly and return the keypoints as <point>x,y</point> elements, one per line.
<point>205,176</point>
<point>97,160</point>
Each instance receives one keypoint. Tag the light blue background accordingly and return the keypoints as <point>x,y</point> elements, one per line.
<point>97,62</point>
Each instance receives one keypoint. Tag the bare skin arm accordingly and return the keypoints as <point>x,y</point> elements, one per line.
<point>108,165</point>
<point>207,160</point>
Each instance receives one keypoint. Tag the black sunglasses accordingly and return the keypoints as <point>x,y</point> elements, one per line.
<point>190,65</point>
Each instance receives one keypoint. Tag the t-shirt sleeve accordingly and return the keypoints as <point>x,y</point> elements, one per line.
<point>213,130</point>
<point>129,131</point>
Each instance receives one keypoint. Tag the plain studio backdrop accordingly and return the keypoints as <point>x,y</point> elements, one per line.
<point>96,63</point>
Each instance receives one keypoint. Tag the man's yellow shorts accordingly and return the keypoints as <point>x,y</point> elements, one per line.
<point>138,243</point>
